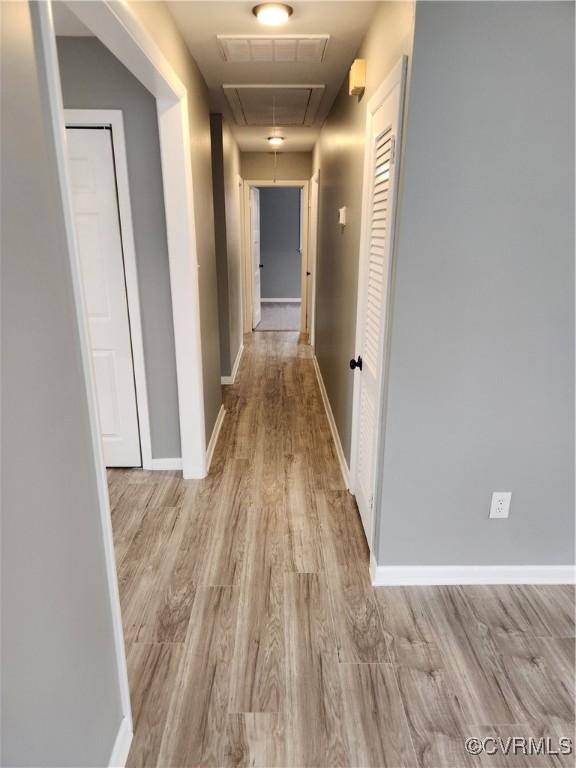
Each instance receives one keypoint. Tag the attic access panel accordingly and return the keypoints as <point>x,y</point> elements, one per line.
<point>266,105</point>
<point>307,49</point>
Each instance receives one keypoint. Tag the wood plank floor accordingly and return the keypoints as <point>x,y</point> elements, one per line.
<point>254,637</point>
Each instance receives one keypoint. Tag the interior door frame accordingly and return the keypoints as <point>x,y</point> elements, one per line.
<point>120,31</point>
<point>395,77</point>
<point>113,119</point>
<point>253,196</point>
<point>313,231</point>
<point>304,184</point>
<point>116,26</point>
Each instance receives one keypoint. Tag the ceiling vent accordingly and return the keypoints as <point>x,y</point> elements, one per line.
<point>306,49</point>
<point>266,105</point>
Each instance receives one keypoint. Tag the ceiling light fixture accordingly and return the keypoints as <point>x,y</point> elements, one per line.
<point>276,141</point>
<point>272,14</point>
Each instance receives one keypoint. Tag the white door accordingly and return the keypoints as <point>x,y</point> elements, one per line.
<point>93,183</point>
<point>312,252</point>
<point>255,243</point>
<point>378,226</point>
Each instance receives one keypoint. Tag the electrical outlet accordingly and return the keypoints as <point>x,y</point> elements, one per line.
<point>500,506</point>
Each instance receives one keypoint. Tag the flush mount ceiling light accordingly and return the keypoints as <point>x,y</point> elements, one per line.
<point>272,14</point>
<point>275,141</point>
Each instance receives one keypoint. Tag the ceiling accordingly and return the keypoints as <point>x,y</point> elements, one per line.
<point>260,77</point>
<point>298,54</point>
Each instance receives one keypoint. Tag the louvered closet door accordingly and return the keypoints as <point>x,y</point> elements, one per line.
<point>375,256</point>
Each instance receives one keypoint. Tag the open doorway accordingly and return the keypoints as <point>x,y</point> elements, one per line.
<point>277,271</point>
<point>280,264</point>
<point>129,410</point>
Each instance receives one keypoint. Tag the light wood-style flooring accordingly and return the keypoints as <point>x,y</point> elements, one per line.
<point>279,316</point>
<point>254,637</point>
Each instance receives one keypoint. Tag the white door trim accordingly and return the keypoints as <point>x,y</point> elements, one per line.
<point>41,14</point>
<point>313,229</point>
<point>121,32</point>
<point>113,118</point>
<point>118,29</point>
<point>397,75</point>
<point>246,272</point>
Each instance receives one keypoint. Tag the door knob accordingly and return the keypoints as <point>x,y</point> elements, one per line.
<point>260,265</point>
<point>356,363</point>
<point>308,274</point>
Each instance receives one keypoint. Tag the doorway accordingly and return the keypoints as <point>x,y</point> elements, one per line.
<point>280,263</point>
<point>124,37</point>
<point>128,41</point>
<point>381,162</point>
<point>276,292</point>
<point>103,223</point>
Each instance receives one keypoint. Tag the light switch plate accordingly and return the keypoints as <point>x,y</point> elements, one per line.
<point>342,216</point>
<point>500,506</point>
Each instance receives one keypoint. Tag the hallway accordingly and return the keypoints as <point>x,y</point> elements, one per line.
<point>253,634</point>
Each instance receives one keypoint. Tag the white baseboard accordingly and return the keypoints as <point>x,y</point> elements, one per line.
<point>165,464</point>
<point>121,747</point>
<point>280,301</point>
<point>335,436</point>
<point>232,378</point>
<point>412,575</point>
<point>214,437</point>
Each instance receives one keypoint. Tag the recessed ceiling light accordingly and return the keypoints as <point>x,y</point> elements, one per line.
<point>272,14</point>
<point>275,141</point>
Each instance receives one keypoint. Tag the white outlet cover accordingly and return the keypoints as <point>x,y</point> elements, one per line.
<point>500,506</point>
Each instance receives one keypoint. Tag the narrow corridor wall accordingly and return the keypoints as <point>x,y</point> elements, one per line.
<point>60,692</point>
<point>159,24</point>
<point>286,166</point>
<point>481,367</point>
<point>226,183</point>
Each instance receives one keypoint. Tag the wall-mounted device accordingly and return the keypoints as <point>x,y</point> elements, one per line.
<point>500,506</point>
<point>342,216</point>
<point>357,78</point>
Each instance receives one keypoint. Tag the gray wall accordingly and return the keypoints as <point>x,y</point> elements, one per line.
<point>261,166</point>
<point>92,78</point>
<point>339,154</point>
<point>60,692</point>
<point>159,24</point>
<point>280,242</point>
<point>220,241</point>
<point>232,194</point>
<point>481,394</point>
<point>226,182</point>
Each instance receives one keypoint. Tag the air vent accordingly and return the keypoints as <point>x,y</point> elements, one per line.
<point>307,49</point>
<point>286,105</point>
